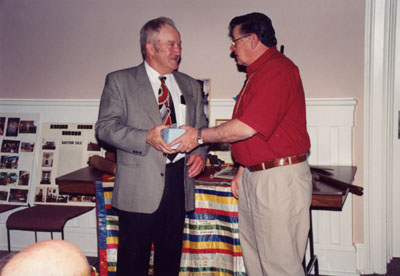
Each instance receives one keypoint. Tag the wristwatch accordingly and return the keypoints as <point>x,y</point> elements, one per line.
<point>199,140</point>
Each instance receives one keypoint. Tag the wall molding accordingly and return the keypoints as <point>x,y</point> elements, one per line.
<point>379,70</point>
<point>330,122</point>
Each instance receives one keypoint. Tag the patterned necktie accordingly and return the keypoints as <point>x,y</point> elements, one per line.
<point>167,110</point>
<point>166,104</point>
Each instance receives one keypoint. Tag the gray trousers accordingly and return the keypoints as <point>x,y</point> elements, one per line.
<point>274,219</point>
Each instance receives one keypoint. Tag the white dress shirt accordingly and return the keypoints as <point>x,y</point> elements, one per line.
<point>174,90</point>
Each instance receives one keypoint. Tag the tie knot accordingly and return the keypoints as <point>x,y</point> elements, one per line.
<point>162,79</point>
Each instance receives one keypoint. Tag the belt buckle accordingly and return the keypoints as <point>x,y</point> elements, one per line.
<point>281,161</point>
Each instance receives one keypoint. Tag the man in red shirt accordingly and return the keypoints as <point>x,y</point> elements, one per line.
<point>269,140</point>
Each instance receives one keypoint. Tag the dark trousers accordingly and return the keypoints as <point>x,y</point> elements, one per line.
<point>164,228</point>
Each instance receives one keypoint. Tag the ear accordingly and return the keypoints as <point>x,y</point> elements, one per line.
<point>150,49</point>
<point>254,41</point>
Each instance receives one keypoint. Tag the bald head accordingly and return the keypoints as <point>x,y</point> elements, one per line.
<point>53,257</point>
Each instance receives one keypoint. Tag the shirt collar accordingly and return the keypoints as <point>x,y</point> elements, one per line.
<point>263,58</point>
<point>153,74</point>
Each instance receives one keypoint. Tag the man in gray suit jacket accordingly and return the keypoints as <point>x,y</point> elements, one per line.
<point>151,193</point>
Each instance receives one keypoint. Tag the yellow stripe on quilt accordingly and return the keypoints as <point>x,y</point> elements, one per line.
<point>212,245</point>
<point>216,198</point>
<point>112,268</point>
<point>108,194</point>
<point>112,240</point>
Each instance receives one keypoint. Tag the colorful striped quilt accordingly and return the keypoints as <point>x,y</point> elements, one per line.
<point>211,239</point>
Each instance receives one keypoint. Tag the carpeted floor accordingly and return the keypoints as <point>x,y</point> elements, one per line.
<point>393,268</point>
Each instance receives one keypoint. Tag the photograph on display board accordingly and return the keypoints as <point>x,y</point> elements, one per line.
<point>8,178</point>
<point>4,181</point>
<point>23,178</point>
<point>27,147</point>
<point>18,195</point>
<point>40,194</point>
<point>27,127</point>
<point>93,146</point>
<point>11,146</point>
<point>3,195</point>
<point>45,177</point>
<point>47,159</point>
<point>51,195</point>
<point>9,162</point>
<point>62,199</point>
<point>82,199</point>
<point>12,127</point>
<point>49,145</point>
<point>2,124</point>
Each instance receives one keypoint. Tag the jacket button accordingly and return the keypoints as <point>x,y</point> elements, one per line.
<point>162,174</point>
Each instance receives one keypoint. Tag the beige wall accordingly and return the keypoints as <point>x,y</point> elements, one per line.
<point>64,48</point>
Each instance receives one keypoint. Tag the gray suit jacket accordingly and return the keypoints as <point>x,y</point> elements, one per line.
<point>128,109</point>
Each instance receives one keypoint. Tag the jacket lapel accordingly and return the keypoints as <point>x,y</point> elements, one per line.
<point>146,95</point>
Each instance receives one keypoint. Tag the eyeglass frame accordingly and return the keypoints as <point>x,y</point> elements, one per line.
<point>233,42</point>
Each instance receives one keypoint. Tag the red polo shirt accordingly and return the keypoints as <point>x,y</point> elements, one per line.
<point>272,102</point>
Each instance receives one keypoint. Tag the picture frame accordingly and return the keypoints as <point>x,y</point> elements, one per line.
<point>205,86</point>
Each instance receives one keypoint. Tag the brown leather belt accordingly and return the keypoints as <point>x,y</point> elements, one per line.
<point>278,162</point>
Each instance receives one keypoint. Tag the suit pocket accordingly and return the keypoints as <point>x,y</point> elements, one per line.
<point>124,158</point>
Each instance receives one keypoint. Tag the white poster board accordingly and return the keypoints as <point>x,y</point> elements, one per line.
<point>64,148</point>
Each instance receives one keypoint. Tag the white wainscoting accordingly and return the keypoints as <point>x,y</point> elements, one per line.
<point>330,123</point>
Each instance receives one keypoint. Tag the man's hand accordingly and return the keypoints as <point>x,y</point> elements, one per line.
<point>188,141</point>
<point>229,132</point>
<point>155,139</point>
<point>236,181</point>
<point>196,163</point>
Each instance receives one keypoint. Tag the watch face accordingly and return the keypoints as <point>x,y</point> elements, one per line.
<point>199,140</point>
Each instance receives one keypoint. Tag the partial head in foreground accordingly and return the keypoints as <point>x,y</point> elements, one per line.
<point>52,257</point>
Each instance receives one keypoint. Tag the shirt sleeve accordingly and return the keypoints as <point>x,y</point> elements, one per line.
<point>268,100</point>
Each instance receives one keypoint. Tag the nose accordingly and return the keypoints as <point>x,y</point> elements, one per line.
<point>232,48</point>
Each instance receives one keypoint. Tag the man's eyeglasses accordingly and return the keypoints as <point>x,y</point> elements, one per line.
<point>233,42</point>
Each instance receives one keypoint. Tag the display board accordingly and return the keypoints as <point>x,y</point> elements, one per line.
<point>18,134</point>
<point>64,148</point>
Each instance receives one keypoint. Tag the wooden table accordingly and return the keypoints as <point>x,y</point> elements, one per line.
<point>326,196</point>
<point>81,181</point>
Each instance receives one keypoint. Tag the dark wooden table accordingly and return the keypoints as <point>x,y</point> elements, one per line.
<point>329,192</point>
<point>81,181</point>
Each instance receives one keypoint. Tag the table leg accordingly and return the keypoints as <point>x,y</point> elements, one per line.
<point>313,258</point>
